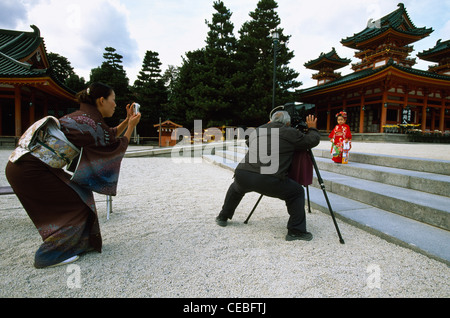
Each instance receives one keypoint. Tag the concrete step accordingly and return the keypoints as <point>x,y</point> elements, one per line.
<point>399,162</point>
<point>424,207</point>
<point>420,237</point>
<point>221,161</point>
<point>422,181</point>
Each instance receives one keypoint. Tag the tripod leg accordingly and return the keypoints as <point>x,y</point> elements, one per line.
<point>254,208</point>
<point>309,203</point>
<point>322,186</point>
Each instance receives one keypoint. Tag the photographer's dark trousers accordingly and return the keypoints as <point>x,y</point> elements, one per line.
<point>288,190</point>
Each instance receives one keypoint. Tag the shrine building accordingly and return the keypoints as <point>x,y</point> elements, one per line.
<point>29,90</point>
<point>165,131</point>
<point>383,88</point>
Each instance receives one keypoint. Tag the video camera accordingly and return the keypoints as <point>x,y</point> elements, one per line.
<point>298,113</point>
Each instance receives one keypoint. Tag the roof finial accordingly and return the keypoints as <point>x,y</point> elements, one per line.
<point>36,30</point>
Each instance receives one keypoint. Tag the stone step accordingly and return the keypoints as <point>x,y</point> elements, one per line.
<point>421,206</point>
<point>422,181</point>
<point>420,237</point>
<point>221,161</point>
<point>440,167</point>
<point>399,162</point>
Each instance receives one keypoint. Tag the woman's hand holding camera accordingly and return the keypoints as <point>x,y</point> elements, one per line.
<point>133,119</point>
<point>133,115</point>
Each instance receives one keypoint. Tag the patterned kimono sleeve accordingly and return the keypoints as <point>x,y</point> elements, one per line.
<point>101,155</point>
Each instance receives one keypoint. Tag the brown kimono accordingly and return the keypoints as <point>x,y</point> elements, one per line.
<point>61,205</point>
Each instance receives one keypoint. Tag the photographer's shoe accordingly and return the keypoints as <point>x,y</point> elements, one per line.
<point>222,221</point>
<point>304,236</point>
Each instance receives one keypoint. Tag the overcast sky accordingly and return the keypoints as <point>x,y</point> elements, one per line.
<point>80,30</point>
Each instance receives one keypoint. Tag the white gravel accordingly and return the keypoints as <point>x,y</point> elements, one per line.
<point>162,241</point>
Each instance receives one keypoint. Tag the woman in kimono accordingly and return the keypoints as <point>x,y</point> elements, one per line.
<point>340,134</point>
<point>61,205</point>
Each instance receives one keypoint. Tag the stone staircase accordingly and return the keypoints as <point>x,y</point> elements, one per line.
<point>403,200</point>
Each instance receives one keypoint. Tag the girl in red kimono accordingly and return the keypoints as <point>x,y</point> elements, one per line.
<point>340,134</point>
<point>61,205</point>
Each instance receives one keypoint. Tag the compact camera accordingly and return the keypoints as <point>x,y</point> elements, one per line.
<point>136,108</point>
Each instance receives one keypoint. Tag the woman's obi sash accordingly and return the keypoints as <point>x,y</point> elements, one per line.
<point>45,141</point>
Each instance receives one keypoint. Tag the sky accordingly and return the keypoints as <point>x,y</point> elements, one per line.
<point>80,30</point>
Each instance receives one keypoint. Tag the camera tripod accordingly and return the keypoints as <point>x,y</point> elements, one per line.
<point>322,186</point>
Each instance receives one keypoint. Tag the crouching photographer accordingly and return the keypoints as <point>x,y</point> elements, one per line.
<point>265,168</point>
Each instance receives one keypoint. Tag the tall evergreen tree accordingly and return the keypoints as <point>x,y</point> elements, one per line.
<point>64,72</point>
<point>229,81</point>
<point>204,88</point>
<point>219,96</point>
<point>150,93</point>
<point>255,58</point>
<point>111,72</point>
<point>184,98</point>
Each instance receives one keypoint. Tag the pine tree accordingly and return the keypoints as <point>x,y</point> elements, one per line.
<point>111,72</point>
<point>255,54</point>
<point>219,95</point>
<point>151,93</point>
<point>62,69</point>
<point>204,89</point>
<point>184,101</point>
<point>150,71</point>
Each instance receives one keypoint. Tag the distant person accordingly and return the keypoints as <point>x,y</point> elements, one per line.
<point>340,138</point>
<point>267,174</point>
<point>62,206</point>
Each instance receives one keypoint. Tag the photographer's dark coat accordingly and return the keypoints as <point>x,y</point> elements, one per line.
<point>62,206</point>
<point>290,141</point>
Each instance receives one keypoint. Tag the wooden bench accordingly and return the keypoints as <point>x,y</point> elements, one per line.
<point>6,190</point>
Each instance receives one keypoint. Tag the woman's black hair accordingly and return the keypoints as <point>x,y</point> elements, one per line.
<point>93,92</point>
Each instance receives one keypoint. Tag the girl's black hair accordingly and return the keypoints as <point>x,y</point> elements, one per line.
<point>93,92</point>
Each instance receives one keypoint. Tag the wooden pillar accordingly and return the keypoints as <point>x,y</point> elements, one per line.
<point>33,107</point>
<point>18,111</point>
<point>329,117</point>
<point>361,114</point>
<point>424,112</point>
<point>433,119</point>
<point>383,110</point>
<point>442,116</point>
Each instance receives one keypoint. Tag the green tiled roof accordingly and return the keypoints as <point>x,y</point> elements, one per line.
<point>19,44</point>
<point>14,46</point>
<point>367,72</point>
<point>439,51</point>
<point>13,68</point>
<point>398,20</point>
<point>330,59</point>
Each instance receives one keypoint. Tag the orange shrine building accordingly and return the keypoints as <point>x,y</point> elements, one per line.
<point>165,130</point>
<point>28,89</point>
<point>383,88</point>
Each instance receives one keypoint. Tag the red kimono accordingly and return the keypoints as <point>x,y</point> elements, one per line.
<point>61,205</point>
<point>339,134</point>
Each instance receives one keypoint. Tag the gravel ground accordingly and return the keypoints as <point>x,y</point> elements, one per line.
<point>162,241</point>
